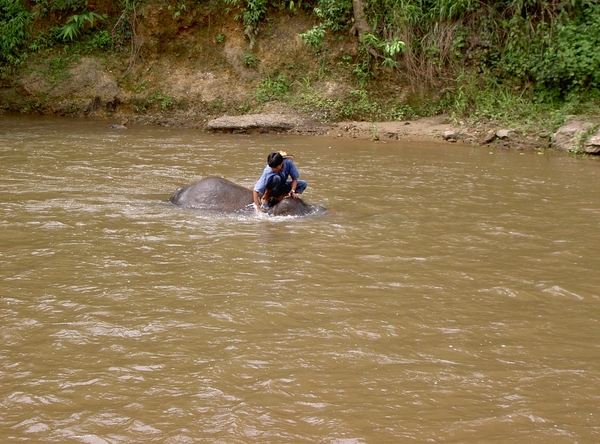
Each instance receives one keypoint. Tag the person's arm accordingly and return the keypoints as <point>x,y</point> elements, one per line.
<point>258,200</point>
<point>293,193</point>
<point>294,174</point>
<point>256,197</point>
<point>261,184</point>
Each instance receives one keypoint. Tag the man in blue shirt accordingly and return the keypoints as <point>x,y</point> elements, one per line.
<point>274,185</point>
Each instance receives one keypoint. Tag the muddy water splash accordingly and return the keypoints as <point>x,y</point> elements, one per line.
<point>450,295</point>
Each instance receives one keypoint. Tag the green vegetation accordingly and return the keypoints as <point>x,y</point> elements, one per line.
<point>76,23</point>
<point>273,88</point>
<point>250,60</point>
<point>503,60</point>
<point>494,59</point>
<point>165,102</point>
<point>15,27</point>
<point>56,68</point>
<point>314,37</point>
<point>252,13</point>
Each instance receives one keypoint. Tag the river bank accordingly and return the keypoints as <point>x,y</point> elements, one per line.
<point>434,128</point>
<point>191,75</point>
<point>439,128</point>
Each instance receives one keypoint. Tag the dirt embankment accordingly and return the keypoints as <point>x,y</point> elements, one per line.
<point>200,71</point>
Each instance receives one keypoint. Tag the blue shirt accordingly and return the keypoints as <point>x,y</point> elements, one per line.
<point>289,169</point>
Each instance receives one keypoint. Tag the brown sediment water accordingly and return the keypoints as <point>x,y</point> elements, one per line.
<point>450,294</point>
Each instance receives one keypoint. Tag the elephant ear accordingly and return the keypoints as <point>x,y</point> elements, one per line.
<point>286,155</point>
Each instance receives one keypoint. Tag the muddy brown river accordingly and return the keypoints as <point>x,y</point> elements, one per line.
<point>450,295</point>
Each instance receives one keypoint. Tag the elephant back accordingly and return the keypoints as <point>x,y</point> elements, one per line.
<point>213,193</point>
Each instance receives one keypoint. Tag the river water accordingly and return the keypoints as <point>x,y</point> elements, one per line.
<point>450,294</point>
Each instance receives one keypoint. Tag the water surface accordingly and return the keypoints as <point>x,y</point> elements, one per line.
<point>449,295</point>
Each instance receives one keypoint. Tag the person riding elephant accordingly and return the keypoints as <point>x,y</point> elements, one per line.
<point>273,185</point>
<point>222,195</point>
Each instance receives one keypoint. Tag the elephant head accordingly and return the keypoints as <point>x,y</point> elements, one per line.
<point>294,206</point>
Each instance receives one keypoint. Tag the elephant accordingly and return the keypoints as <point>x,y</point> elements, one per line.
<point>222,195</point>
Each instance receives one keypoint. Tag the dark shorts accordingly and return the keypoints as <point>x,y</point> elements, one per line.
<point>279,187</point>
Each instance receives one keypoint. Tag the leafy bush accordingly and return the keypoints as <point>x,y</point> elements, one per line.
<point>389,49</point>
<point>165,102</point>
<point>250,60</point>
<point>335,14</point>
<point>102,40</point>
<point>15,21</point>
<point>359,106</point>
<point>76,23</point>
<point>314,37</point>
<point>571,61</point>
<point>47,6</point>
<point>272,88</point>
<point>253,11</point>
<point>559,58</point>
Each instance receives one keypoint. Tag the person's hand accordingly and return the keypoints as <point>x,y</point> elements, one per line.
<point>293,194</point>
<point>264,206</point>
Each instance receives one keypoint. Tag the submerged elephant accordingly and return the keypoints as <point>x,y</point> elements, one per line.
<point>218,194</point>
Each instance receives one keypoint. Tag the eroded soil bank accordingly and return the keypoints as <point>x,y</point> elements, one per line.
<point>200,71</point>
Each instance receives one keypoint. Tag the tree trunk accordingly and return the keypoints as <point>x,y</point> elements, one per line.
<point>362,26</point>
